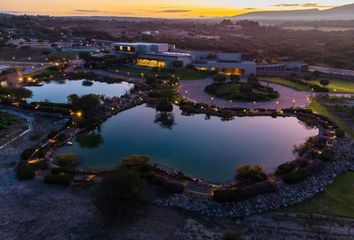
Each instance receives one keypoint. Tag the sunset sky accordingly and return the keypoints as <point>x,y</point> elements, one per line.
<point>157,8</point>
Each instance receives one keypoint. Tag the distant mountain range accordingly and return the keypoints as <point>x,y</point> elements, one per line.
<point>345,12</point>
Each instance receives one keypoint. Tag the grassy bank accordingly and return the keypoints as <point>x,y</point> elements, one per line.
<point>317,107</point>
<point>335,85</point>
<point>337,199</point>
<point>286,83</point>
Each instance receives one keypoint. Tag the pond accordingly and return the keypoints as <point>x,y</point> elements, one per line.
<point>205,148</point>
<point>57,91</point>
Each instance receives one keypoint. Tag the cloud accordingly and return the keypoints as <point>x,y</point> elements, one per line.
<point>303,5</point>
<point>86,10</point>
<point>174,11</point>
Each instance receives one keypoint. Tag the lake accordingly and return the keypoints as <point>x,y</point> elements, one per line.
<point>209,149</point>
<point>57,91</point>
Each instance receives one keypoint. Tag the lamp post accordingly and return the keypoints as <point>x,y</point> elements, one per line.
<point>254,105</point>
<point>293,103</point>
<point>276,106</point>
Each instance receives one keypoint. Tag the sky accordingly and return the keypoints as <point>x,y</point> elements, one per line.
<point>158,8</point>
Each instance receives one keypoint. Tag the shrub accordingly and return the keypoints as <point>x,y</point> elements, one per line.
<point>120,193</point>
<point>324,82</point>
<point>340,133</point>
<point>25,172</point>
<point>67,160</point>
<point>226,114</point>
<point>187,108</point>
<point>250,173</point>
<point>164,106</point>
<point>138,162</point>
<point>297,176</point>
<point>315,166</point>
<point>285,168</point>
<point>231,235</point>
<point>60,179</point>
<point>27,153</point>
<point>326,155</point>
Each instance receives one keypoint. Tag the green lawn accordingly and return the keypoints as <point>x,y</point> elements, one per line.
<point>284,82</point>
<point>339,85</point>
<point>183,73</point>
<point>338,199</point>
<point>317,107</point>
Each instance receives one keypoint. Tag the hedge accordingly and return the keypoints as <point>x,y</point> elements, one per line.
<point>239,194</point>
<point>25,172</point>
<point>60,179</point>
<point>326,155</point>
<point>285,168</point>
<point>297,176</point>
<point>27,153</point>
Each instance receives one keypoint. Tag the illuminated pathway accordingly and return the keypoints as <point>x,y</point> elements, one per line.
<point>194,90</point>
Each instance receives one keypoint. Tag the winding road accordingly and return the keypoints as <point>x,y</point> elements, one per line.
<point>194,90</point>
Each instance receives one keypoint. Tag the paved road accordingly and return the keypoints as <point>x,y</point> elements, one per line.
<point>335,71</point>
<point>194,90</point>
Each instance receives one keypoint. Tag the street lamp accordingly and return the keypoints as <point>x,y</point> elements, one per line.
<point>276,106</point>
<point>293,103</point>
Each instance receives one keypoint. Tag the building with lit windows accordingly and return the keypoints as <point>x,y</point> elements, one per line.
<point>159,55</point>
<point>163,55</point>
<point>226,63</point>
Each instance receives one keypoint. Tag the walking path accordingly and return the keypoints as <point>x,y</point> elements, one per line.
<point>194,90</point>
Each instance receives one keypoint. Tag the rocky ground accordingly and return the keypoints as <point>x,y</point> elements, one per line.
<point>33,210</point>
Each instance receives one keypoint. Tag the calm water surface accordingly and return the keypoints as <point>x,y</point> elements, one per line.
<point>209,149</point>
<point>57,91</point>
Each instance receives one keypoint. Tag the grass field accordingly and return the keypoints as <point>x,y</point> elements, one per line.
<point>338,85</point>
<point>286,83</point>
<point>183,73</point>
<point>337,199</point>
<point>317,107</point>
<point>335,85</point>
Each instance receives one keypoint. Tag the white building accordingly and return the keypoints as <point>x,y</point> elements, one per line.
<point>226,63</point>
<point>160,55</point>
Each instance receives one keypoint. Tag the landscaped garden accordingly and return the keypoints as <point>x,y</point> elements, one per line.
<point>241,91</point>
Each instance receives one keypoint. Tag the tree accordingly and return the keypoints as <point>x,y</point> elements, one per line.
<point>324,82</point>
<point>164,106</point>
<point>85,108</point>
<point>121,193</point>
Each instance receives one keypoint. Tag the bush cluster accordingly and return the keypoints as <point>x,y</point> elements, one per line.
<point>60,179</point>
<point>25,172</point>
<point>239,194</point>
<point>297,176</point>
<point>326,155</point>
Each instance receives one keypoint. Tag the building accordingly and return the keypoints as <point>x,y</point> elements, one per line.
<point>227,63</point>
<point>282,69</point>
<point>161,55</point>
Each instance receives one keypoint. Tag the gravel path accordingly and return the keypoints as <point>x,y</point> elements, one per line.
<point>194,90</point>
